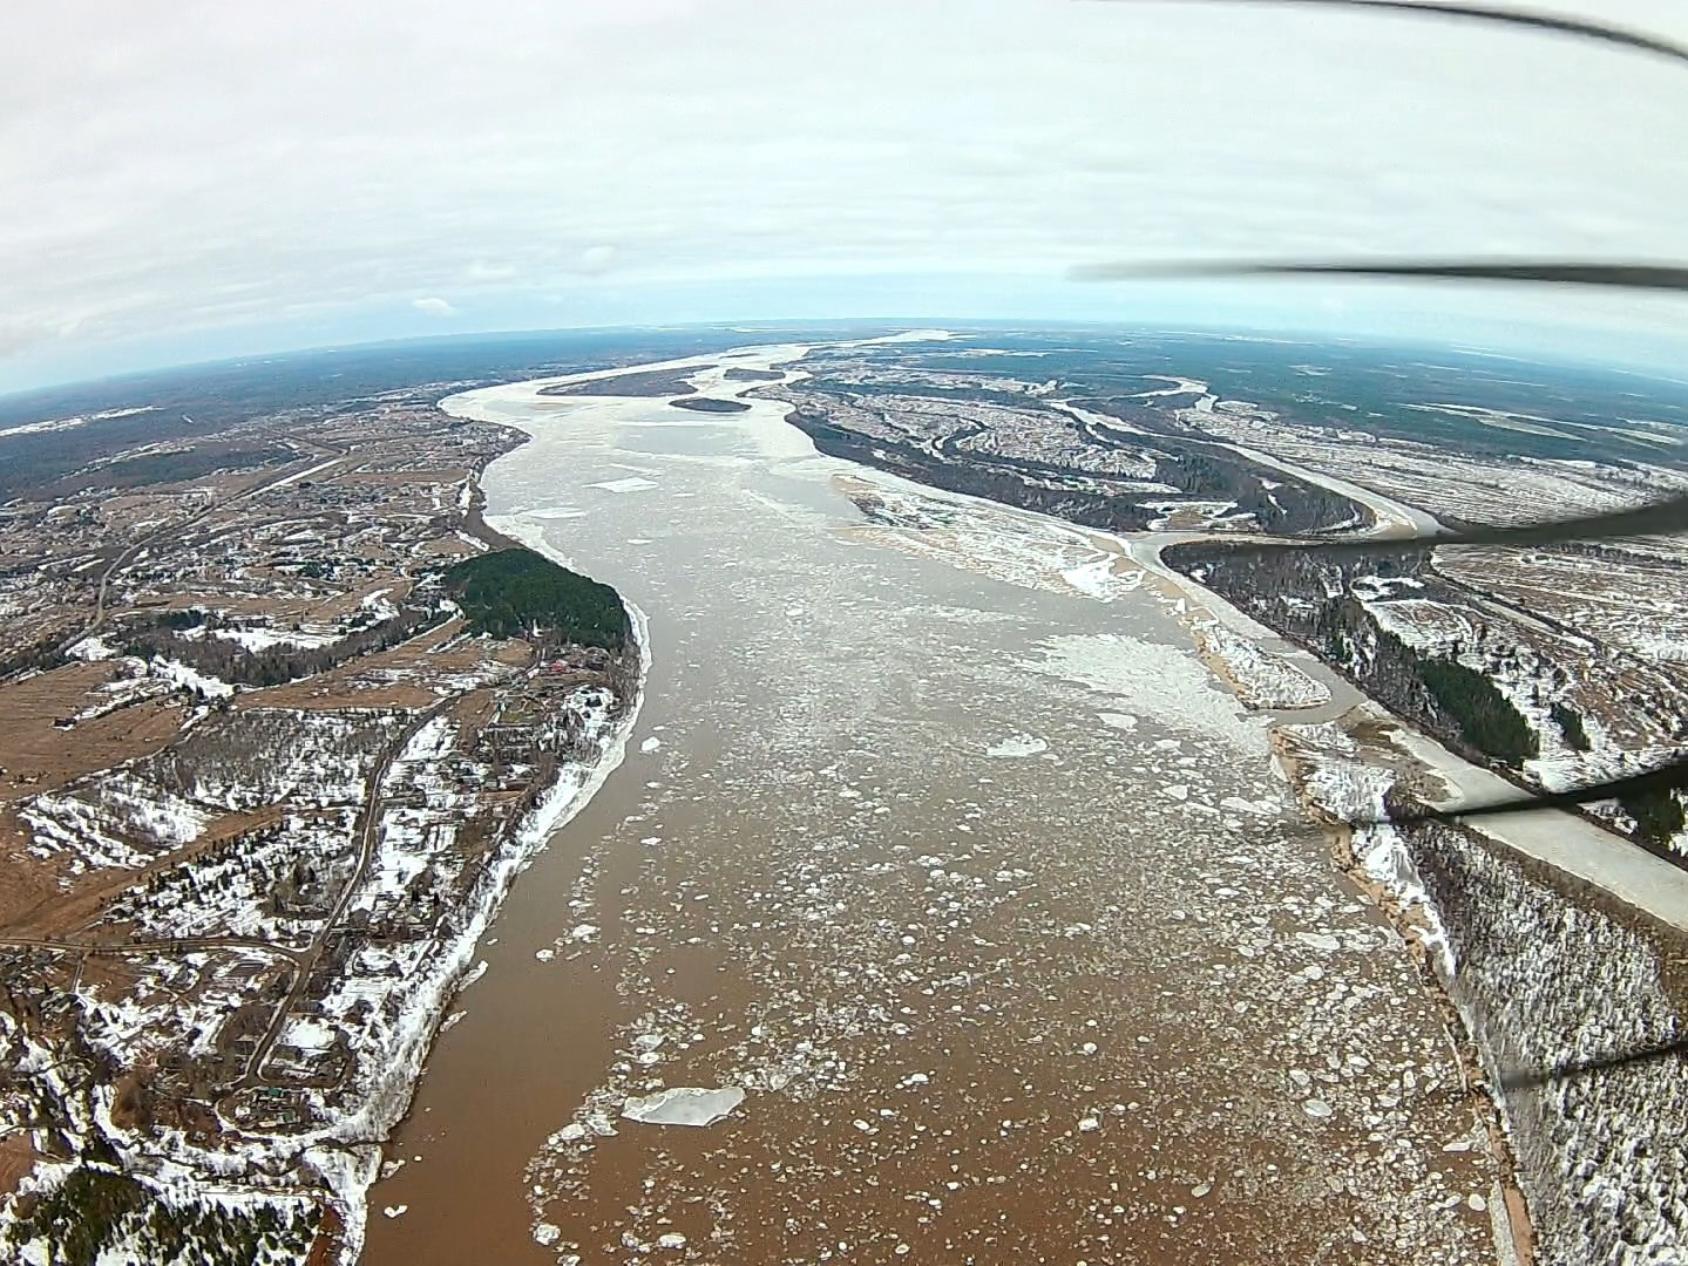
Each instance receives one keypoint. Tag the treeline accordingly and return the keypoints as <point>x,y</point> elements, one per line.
<point>1206,468</point>
<point>651,382</point>
<point>1570,724</point>
<point>1658,814</point>
<point>1087,508</point>
<point>231,758</point>
<point>1291,507</point>
<point>518,593</point>
<point>229,661</point>
<point>1486,719</point>
<point>96,1214</point>
<point>42,654</point>
<point>1199,471</point>
<point>1304,594</point>
<point>169,468</point>
<point>710,404</point>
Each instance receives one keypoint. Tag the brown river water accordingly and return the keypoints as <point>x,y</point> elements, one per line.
<point>938,839</point>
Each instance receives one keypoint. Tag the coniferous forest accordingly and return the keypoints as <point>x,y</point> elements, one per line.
<point>518,593</point>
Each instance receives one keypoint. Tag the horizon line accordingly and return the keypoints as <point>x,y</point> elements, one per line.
<point>1282,333</point>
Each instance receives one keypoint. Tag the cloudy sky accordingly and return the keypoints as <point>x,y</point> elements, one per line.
<point>185,180</point>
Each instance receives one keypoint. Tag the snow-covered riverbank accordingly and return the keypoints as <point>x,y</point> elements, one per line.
<point>454,968</point>
<point>1546,976</point>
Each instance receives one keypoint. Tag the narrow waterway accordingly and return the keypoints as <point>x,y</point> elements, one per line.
<point>937,839</point>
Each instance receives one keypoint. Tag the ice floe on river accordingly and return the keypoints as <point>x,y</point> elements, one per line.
<point>1164,682</point>
<point>1260,678</point>
<point>1018,745</point>
<point>684,1105</point>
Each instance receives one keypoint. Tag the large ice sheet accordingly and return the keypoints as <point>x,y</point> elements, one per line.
<point>684,1105</point>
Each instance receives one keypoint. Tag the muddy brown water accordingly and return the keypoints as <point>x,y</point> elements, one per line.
<point>984,889</point>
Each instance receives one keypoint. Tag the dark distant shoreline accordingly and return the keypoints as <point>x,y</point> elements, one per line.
<point>654,382</point>
<point>709,404</point>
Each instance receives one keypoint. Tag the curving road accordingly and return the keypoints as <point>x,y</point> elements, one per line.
<point>369,833</point>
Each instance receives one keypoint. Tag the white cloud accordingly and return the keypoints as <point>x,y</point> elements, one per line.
<point>597,259</point>
<point>433,307</point>
<point>482,271</point>
<point>206,166</point>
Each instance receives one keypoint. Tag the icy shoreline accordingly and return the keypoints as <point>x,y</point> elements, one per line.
<point>1335,785</point>
<point>555,808</point>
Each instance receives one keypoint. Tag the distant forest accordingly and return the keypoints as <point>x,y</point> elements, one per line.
<point>196,401</point>
<point>516,592</point>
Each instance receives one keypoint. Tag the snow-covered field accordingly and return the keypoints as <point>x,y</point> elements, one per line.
<point>1628,708</point>
<point>1430,478</point>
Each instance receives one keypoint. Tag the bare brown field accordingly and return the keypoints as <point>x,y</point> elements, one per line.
<point>17,1158</point>
<point>406,478</point>
<point>37,755</point>
<point>402,677</point>
<point>27,880</point>
<point>63,912</point>
<point>472,712</point>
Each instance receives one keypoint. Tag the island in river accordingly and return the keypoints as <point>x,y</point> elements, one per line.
<point>950,902</point>
<point>709,404</point>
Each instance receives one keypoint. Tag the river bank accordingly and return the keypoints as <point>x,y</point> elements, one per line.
<point>1388,884</point>
<point>1546,976</point>
<point>454,967</point>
